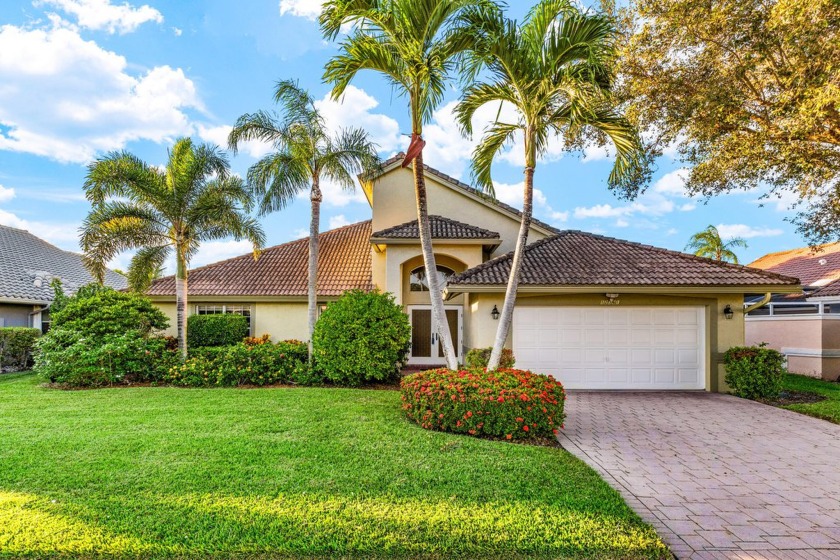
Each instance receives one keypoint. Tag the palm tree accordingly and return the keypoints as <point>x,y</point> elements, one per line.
<point>554,69</point>
<point>415,44</point>
<point>160,211</point>
<point>305,151</point>
<point>708,243</point>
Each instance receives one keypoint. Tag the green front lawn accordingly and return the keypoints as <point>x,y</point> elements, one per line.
<point>285,473</point>
<point>828,409</point>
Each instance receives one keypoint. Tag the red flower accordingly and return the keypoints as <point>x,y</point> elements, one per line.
<point>519,419</point>
<point>501,399</point>
<point>508,436</point>
<point>525,427</point>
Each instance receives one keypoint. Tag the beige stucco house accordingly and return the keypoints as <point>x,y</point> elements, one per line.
<point>804,327</point>
<point>595,312</point>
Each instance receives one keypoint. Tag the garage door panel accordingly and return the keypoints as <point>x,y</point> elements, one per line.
<point>613,347</point>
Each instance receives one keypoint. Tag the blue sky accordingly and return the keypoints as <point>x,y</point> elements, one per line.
<point>79,78</point>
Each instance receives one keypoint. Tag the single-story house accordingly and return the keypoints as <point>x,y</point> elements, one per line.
<point>805,327</point>
<point>28,265</point>
<point>596,312</point>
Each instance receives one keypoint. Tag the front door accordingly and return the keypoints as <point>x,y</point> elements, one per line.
<point>426,347</point>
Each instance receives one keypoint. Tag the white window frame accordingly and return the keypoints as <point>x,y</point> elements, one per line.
<point>224,309</point>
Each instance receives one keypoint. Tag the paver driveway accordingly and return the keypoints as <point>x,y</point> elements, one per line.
<point>717,476</point>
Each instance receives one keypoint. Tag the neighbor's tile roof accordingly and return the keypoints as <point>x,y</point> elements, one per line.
<point>441,228</point>
<point>579,258</point>
<point>344,263</point>
<point>28,264</point>
<point>812,268</point>
<point>469,188</point>
<point>831,289</point>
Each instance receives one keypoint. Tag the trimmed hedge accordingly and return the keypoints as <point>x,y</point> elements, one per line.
<point>362,337</point>
<point>99,311</point>
<point>16,346</point>
<point>263,363</point>
<point>478,358</point>
<point>754,372</point>
<point>216,330</point>
<point>69,358</point>
<point>506,403</point>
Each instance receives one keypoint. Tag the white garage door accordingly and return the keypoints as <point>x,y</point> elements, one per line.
<point>613,347</point>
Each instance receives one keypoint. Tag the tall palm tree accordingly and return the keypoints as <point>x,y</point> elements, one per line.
<point>163,211</point>
<point>415,44</point>
<point>305,151</point>
<point>707,243</point>
<point>554,69</point>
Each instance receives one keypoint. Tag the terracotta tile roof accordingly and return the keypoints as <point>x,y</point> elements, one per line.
<point>344,263</point>
<point>578,258</point>
<point>812,268</point>
<point>829,290</point>
<point>442,228</point>
<point>28,264</point>
<point>432,171</point>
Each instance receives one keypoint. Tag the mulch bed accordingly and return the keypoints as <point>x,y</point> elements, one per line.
<point>796,397</point>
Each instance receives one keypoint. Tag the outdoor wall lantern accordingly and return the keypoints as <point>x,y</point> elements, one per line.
<point>495,313</point>
<point>727,311</point>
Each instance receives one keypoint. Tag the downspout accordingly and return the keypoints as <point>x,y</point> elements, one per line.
<point>760,303</point>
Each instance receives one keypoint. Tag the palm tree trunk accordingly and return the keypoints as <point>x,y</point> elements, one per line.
<point>435,295</point>
<point>506,318</point>
<point>314,225</point>
<point>181,301</point>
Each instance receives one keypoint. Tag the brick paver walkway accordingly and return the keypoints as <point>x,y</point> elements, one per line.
<point>717,476</point>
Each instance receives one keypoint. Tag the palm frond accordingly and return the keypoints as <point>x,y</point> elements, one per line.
<point>146,266</point>
<point>276,179</point>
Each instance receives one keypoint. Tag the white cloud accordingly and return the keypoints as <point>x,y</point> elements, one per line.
<point>177,31</point>
<point>594,152</point>
<point>101,15</point>
<point>555,216</point>
<point>66,98</point>
<point>300,233</point>
<point>672,182</point>
<point>651,205</point>
<point>728,231</point>
<point>353,109</point>
<point>339,221</point>
<point>601,211</point>
<point>219,135</point>
<point>6,193</point>
<point>688,207</point>
<point>309,9</point>
<point>64,235</point>
<point>215,251</point>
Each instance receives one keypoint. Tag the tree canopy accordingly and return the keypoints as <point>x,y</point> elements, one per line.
<point>748,91</point>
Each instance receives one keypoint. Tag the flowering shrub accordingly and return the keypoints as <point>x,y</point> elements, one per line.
<point>243,364</point>
<point>257,340</point>
<point>478,358</point>
<point>506,403</point>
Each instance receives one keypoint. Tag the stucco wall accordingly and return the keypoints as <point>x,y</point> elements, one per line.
<point>721,333</point>
<point>281,320</point>
<point>393,204</point>
<point>811,343</point>
<point>14,315</point>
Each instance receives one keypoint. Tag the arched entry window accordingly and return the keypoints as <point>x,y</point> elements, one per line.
<point>419,283</point>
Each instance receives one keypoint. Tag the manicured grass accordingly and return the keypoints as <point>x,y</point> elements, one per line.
<point>828,409</point>
<point>285,473</point>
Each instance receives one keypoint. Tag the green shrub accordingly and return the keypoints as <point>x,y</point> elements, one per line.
<point>754,372</point>
<point>478,358</point>
<point>243,364</point>
<point>216,330</point>
<point>102,311</point>
<point>506,403</point>
<point>102,337</point>
<point>16,346</point>
<point>69,358</point>
<point>362,337</point>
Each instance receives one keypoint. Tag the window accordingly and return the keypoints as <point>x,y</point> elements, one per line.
<point>244,310</point>
<point>419,283</point>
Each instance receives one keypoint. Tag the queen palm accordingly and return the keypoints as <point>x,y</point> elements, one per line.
<point>708,243</point>
<point>159,212</point>
<point>415,45</point>
<point>305,152</point>
<point>554,70</point>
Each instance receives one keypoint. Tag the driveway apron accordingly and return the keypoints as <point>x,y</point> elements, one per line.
<point>717,476</point>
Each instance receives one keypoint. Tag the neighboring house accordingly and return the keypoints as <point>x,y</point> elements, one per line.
<point>804,327</point>
<point>595,312</point>
<point>27,267</point>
